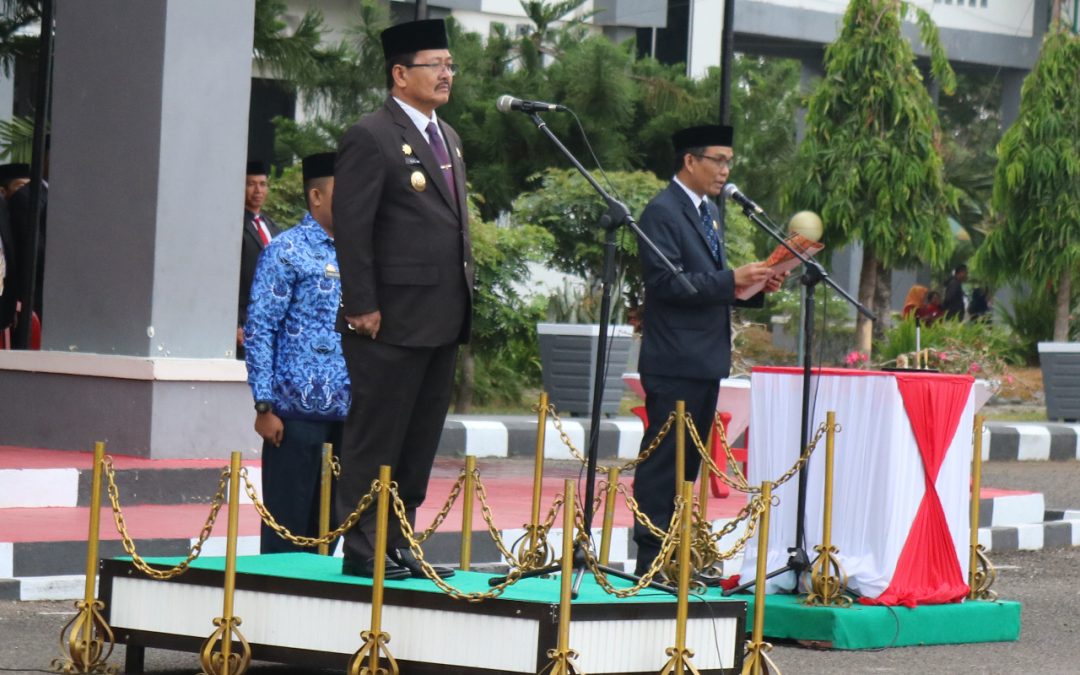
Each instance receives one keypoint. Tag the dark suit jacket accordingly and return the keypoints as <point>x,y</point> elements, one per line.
<point>250,248</point>
<point>952,305</point>
<point>685,335</point>
<point>402,238</point>
<point>11,279</point>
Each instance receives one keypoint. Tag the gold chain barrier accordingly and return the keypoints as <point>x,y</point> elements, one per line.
<point>734,484</point>
<point>735,466</point>
<point>89,637</point>
<point>981,572</point>
<point>414,545</point>
<point>129,544</point>
<point>668,541</point>
<point>297,539</point>
<point>642,456</point>
<point>225,661</point>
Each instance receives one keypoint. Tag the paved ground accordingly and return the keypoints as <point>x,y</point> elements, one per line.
<point>1046,583</point>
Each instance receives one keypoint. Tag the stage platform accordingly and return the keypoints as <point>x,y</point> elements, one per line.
<point>298,608</point>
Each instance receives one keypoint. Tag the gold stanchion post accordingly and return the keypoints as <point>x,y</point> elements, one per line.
<point>679,661</point>
<point>756,661</point>
<point>325,485</point>
<point>536,552</point>
<point>680,444</point>
<point>89,637</point>
<point>562,657</point>
<point>609,513</point>
<point>703,541</point>
<point>467,512</point>
<point>981,572</point>
<point>225,662</point>
<point>366,660</point>
<point>827,577</point>
<point>706,475</point>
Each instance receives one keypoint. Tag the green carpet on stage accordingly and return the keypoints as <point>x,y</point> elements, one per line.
<point>856,627</point>
<point>328,569</point>
<point>876,627</point>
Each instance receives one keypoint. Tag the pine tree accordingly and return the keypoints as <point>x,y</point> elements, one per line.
<point>1037,183</point>
<point>870,163</point>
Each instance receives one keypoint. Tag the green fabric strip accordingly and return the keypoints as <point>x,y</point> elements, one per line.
<point>875,627</point>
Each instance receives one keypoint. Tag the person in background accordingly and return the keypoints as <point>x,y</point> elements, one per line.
<point>916,298</point>
<point>19,209</point>
<point>13,177</point>
<point>953,304</point>
<point>295,367</point>
<point>979,307</point>
<point>259,230</point>
<point>9,279</point>
<point>931,310</point>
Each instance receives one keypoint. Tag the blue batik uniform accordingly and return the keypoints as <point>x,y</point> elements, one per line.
<point>293,353</point>
<point>294,361</point>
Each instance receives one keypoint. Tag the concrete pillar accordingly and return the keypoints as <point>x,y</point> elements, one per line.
<point>1011,83</point>
<point>149,143</point>
<point>706,26</point>
<point>149,135</point>
<point>809,72</point>
<point>7,96</point>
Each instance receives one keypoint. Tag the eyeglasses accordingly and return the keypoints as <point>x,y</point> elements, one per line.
<point>438,68</point>
<point>721,161</point>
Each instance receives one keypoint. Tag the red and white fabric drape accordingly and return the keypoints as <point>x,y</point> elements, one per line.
<point>902,478</point>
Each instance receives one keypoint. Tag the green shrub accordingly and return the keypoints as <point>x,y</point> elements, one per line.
<point>979,349</point>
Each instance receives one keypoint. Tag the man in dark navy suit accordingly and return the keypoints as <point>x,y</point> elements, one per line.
<point>686,338</point>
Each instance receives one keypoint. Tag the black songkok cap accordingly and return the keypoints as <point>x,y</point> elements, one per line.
<point>703,137</point>
<point>319,165</point>
<point>414,36</point>
<point>10,172</point>
<point>258,167</point>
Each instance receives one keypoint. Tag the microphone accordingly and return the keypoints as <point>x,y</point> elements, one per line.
<point>731,191</point>
<point>506,103</point>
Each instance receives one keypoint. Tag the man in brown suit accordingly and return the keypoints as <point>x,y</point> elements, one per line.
<point>401,225</point>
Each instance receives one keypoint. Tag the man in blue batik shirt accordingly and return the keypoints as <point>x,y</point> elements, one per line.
<point>295,366</point>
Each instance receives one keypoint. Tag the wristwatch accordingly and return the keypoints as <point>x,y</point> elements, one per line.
<point>263,406</point>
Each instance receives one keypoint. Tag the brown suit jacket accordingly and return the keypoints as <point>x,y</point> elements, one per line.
<point>402,238</point>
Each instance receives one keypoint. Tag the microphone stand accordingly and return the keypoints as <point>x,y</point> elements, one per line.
<point>813,274</point>
<point>617,214</point>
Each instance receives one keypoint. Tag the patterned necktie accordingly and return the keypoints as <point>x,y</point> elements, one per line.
<point>710,232</point>
<point>442,157</point>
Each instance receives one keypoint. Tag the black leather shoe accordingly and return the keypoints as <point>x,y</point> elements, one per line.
<point>405,558</point>
<point>366,568</point>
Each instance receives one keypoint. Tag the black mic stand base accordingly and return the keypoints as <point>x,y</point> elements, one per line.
<point>798,562</point>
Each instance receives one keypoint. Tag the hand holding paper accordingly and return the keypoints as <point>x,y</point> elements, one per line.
<point>781,261</point>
